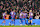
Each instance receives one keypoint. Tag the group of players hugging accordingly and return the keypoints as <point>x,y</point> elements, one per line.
<point>23,16</point>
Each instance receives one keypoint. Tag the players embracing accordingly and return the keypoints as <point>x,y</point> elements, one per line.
<point>23,16</point>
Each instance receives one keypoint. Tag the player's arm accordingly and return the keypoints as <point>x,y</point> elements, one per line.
<point>5,16</point>
<point>19,15</point>
<point>26,15</point>
<point>33,15</point>
<point>29,15</point>
<point>22,14</point>
<point>10,13</point>
<point>15,14</point>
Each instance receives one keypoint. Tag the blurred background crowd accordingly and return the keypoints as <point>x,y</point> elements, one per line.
<point>20,5</point>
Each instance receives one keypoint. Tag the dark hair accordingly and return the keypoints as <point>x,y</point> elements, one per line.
<point>37,14</point>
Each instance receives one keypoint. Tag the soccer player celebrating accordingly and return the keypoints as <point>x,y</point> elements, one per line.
<point>4,16</point>
<point>21,18</point>
<point>25,16</point>
<point>30,16</point>
<point>13,14</point>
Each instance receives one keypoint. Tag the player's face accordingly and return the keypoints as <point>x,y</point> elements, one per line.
<point>14,10</point>
<point>23,11</point>
<point>5,12</point>
<point>30,11</point>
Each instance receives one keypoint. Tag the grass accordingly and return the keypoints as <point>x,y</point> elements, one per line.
<point>23,26</point>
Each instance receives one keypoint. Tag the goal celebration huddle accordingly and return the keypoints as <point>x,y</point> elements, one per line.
<point>22,16</point>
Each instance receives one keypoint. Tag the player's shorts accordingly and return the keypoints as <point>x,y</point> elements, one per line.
<point>24,18</point>
<point>3,19</point>
<point>30,18</point>
<point>13,19</point>
<point>21,19</point>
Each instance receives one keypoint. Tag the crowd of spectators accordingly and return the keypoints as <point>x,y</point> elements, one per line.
<point>20,5</point>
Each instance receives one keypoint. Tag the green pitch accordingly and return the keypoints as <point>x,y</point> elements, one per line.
<point>23,26</point>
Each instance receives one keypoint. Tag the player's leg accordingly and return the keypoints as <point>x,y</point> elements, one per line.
<point>11,21</point>
<point>1,23</point>
<point>25,21</point>
<point>31,21</point>
<point>20,21</point>
<point>14,21</point>
<point>4,22</point>
<point>28,22</point>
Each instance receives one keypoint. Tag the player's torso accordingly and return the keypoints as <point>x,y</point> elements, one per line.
<point>21,15</point>
<point>12,14</point>
<point>31,14</point>
<point>24,15</point>
<point>4,15</point>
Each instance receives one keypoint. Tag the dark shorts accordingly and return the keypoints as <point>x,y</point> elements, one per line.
<point>13,19</point>
<point>30,18</point>
<point>24,18</point>
<point>3,19</point>
<point>21,19</point>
